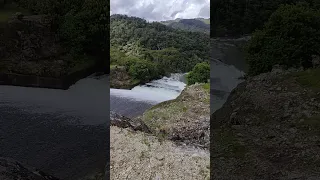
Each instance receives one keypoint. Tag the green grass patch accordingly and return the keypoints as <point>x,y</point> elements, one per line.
<point>206,86</point>
<point>309,78</point>
<point>158,119</point>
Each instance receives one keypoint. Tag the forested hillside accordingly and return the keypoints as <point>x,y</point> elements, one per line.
<point>149,50</point>
<point>195,25</point>
<point>237,18</point>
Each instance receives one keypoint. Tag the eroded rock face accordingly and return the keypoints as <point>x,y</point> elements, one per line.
<point>124,122</point>
<point>12,170</point>
<point>268,129</point>
<point>185,119</point>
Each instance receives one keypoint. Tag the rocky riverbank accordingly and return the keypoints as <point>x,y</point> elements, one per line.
<point>169,141</point>
<point>269,128</point>
<point>120,78</point>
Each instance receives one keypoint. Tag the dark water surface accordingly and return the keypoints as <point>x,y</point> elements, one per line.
<point>61,132</point>
<point>225,73</point>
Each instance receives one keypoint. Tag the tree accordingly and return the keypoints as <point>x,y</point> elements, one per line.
<point>289,38</point>
<point>200,73</point>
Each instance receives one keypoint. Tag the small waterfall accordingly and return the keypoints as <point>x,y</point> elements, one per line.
<point>135,101</point>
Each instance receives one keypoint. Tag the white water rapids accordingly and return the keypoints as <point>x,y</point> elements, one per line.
<point>135,101</point>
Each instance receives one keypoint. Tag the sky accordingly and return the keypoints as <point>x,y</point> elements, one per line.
<point>161,10</point>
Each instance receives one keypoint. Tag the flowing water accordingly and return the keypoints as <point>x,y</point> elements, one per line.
<point>225,72</point>
<point>134,102</point>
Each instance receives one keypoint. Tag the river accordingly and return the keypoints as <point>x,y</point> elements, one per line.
<point>61,132</point>
<point>226,67</point>
<point>134,102</point>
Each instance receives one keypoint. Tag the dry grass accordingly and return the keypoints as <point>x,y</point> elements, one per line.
<point>135,155</point>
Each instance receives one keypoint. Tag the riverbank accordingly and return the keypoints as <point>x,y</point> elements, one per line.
<point>186,117</point>
<point>279,138</point>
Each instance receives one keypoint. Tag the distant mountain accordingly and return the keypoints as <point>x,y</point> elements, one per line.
<point>195,25</point>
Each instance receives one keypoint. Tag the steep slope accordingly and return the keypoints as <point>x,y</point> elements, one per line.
<point>150,50</point>
<point>148,147</point>
<point>269,128</point>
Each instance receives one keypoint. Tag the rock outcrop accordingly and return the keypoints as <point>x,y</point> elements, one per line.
<point>124,122</point>
<point>185,119</point>
<point>12,170</point>
<point>269,128</point>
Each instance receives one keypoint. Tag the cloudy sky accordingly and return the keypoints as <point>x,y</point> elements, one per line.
<point>159,10</point>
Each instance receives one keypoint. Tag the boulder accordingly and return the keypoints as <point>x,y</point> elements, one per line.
<point>124,122</point>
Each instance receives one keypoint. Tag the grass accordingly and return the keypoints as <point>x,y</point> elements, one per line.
<point>309,78</point>
<point>206,86</point>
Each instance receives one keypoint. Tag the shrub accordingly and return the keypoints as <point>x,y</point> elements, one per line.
<point>200,73</point>
<point>289,38</point>
<point>143,70</point>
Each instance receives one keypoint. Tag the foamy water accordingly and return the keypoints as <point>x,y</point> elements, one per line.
<point>153,92</point>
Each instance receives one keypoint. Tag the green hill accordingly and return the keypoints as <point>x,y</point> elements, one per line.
<point>194,25</point>
<point>150,50</point>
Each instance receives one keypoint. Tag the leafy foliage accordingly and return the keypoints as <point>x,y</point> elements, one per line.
<point>200,73</point>
<point>289,38</point>
<point>81,24</point>
<point>241,17</point>
<point>173,50</point>
<point>195,25</point>
<point>140,69</point>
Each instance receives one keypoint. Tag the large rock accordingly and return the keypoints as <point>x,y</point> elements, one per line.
<point>13,170</point>
<point>185,119</point>
<point>269,128</point>
<point>124,122</point>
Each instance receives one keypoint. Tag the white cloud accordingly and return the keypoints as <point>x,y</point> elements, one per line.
<point>158,10</point>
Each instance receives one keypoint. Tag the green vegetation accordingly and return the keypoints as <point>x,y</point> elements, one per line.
<point>200,73</point>
<point>82,25</point>
<point>289,38</point>
<point>152,50</point>
<point>309,79</point>
<point>194,25</point>
<point>241,17</point>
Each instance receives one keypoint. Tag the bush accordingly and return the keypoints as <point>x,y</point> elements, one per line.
<point>143,70</point>
<point>200,73</point>
<point>82,25</point>
<point>289,38</point>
